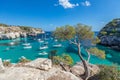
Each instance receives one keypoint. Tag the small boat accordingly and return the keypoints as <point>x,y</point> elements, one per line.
<point>26,44</point>
<point>43,47</point>
<point>57,45</point>
<point>27,47</point>
<point>11,43</point>
<point>41,41</point>
<point>43,53</point>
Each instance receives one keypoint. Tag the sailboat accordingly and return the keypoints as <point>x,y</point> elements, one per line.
<point>11,43</point>
<point>41,41</point>
<point>43,47</point>
<point>26,45</point>
<point>43,53</point>
<point>57,45</point>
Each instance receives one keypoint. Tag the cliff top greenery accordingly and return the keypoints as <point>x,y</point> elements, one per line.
<point>112,28</point>
<point>26,28</point>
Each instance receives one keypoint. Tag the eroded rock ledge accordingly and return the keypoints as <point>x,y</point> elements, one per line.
<point>110,34</point>
<point>12,32</point>
<point>40,69</point>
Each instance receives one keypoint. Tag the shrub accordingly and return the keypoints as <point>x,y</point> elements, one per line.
<point>103,32</point>
<point>107,73</point>
<point>6,63</point>
<point>65,59</point>
<point>52,54</point>
<point>97,52</point>
<point>24,60</point>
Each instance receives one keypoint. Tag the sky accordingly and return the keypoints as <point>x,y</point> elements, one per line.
<point>49,14</point>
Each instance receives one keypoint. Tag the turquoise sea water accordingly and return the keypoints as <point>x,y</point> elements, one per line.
<point>16,51</point>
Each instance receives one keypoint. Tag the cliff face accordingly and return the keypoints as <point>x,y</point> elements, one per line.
<point>110,34</point>
<point>43,69</point>
<point>11,32</point>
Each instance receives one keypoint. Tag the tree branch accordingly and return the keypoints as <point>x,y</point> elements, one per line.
<point>73,42</point>
<point>88,56</point>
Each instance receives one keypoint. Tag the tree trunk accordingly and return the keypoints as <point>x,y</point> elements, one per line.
<point>61,64</point>
<point>85,65</point>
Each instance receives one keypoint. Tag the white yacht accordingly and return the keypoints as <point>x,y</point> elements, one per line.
<point>26,44</point>
<point>43,47</point>
<point>57,45</point>
<point>11,43</point>
<point>41,41</point>
<point>43,53</point>
<point>27,47</point>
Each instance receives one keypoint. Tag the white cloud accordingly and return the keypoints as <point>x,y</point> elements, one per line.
<point>66,4</point>
<point>86,3</point>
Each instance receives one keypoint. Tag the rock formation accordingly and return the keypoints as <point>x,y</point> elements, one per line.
<point>12,32</point>
<point>42,69</point>
<point>110,34</point>
<point>1,66</point>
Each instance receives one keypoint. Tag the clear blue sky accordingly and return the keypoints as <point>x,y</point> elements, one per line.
<point>49,14</point>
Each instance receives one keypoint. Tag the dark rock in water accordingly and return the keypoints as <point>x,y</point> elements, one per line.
<point>110,34</point>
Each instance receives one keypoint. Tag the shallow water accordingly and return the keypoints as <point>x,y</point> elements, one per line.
<point>15,52</point>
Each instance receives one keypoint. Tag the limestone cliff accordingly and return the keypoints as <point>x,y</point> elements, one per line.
<point>110,34</point>
<point>11,32</point>
<point>42,69</point>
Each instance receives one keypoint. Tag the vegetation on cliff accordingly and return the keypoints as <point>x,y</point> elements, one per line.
<point>107,73</point>
<point>4,28</point>
<point>112,28</point>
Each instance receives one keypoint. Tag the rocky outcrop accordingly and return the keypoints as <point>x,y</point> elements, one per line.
<point>79,70</point>
<point>1,66</point>
<point>42,69</point>
<point>110,34</point>
<point>40,63</point>
<point>12,32</point>
<point>26,72</point>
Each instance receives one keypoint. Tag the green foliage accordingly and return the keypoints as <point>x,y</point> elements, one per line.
<point>25,28</point>
<point>103,32</point>
<point>6,63</point>
<point>52,54</point>
<point>24,60</point>
<point>65,58</point>
<point>67,32</point>
<point>83,32</point>
<point>110,29</point>
<point>64,32</point>
<point>97,52</point>
<point>108,73</point>
<point>3,25</point>
<point>57,60</point>
<point>96,40</point>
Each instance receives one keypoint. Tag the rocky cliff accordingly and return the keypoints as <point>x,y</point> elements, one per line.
<point>110,34</point>
<point>42,69</point>
<point>11,32</point>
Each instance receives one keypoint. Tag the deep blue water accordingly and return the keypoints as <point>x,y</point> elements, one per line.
<point>16,51</point>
